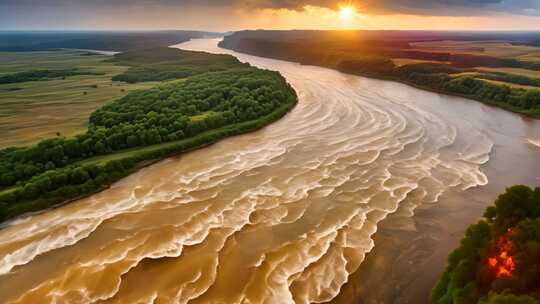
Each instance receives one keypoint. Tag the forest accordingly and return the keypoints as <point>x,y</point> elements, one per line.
<point>37,75</point>
<point>167,63</point>
<point>176,116</point>
<point>498,260</point>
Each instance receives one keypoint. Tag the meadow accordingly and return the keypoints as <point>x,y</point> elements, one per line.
<point>499,49</point>
<point>31,111</point>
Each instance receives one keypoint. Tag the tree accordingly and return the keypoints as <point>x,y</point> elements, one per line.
<point>50,165</point>
<point>132,141</point>
<point>511,235</point>
<point>99,147</point>
<point>79,176</point>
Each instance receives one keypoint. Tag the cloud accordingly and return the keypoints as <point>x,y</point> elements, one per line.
<point>414,7</point>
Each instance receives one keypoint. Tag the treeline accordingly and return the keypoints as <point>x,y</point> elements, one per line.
<point>498,261</point>
<point>384,37</point>
<point>323,49</point>
<point>437,77</point>
<point>180,115</point>
<point>37,75</point>
<point>19,41</point>
<point>167,63</point>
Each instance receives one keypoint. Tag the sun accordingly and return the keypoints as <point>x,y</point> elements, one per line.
<point>346,13</point>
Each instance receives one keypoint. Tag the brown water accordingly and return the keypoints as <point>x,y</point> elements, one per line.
<point>282,215</point>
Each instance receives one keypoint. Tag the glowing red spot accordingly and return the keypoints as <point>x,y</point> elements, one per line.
<point>503,263</point>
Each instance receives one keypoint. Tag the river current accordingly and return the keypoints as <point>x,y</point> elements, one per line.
<point>282,215</point>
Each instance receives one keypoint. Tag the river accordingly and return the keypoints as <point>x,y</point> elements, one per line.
<point>287,214</point>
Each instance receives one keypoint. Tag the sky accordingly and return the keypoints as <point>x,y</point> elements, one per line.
<point>229,15</point>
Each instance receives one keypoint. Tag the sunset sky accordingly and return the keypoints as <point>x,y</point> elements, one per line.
<point>225,15</point>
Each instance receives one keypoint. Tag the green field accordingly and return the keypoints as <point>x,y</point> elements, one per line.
<point>31,111</point>
<point>512,71</point>
<point>405,61</point>
<point>512,85</point>
<point>487,48</point>
<point>496,82</point>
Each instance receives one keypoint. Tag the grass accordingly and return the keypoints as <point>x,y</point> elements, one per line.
<point>31,111</point>
<point>513,71</point>
<point>489,48</point>
<point>512,85</point>
<point>405,61</point>
<point>497,82</point>
<point>201,116</point>
<point>472,74</point>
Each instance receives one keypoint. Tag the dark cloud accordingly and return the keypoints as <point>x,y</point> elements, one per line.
<point>420,7</point>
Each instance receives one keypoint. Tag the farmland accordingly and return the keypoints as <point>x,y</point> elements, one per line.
<point>34,110</point>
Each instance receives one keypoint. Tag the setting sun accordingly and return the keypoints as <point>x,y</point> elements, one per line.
<point>346,12</point>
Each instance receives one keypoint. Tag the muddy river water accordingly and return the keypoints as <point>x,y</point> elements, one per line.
<point>357,195</point>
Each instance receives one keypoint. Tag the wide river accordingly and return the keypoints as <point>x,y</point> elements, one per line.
<point>287,214</point>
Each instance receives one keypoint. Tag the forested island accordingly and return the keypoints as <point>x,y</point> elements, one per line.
<point>498,261</point>
<point>208,97</point>
<point>423,59</point>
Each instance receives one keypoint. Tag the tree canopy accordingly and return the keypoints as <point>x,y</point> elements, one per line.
<point>498,261</point>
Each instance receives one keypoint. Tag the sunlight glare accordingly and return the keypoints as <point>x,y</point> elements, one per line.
<point>346,13</point>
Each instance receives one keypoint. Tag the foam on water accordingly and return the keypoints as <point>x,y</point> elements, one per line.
<point>534,142</point>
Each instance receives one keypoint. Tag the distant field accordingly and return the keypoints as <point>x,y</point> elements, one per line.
<point>405,61</point>
<point>489,48</point>
<point>512,85</point>
<point>30,111</point>
<point>514,71</point>
<point>472,74</point>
